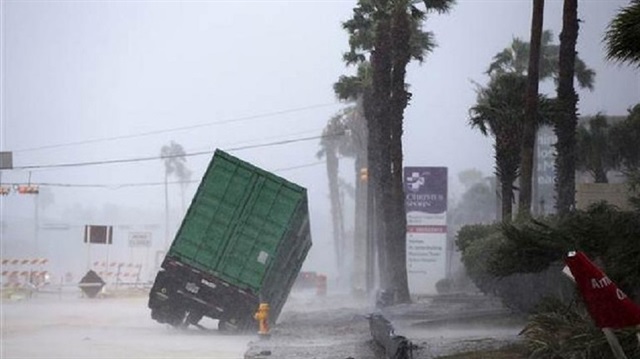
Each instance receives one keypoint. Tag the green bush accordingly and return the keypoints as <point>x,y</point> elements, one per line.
<point>521,262</point>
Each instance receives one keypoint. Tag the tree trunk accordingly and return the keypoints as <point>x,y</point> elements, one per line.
<point>359,282</point>
<point>531,110</point>
<point>379,158</point>
<point>373,139</point>
<point>600,175</point>
<point>567,120</point>
<point>358,276</point>
<point>397,226</point>
<point>506,190</point>
<point>336,208</point>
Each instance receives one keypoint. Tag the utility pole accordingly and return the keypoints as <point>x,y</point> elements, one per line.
<point>166,213</point>
<point>371,237</point>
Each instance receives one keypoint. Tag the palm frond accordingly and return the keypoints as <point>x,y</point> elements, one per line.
<point>622,37</point>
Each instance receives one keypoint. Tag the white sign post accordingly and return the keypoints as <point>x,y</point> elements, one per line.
<point>426,208</point>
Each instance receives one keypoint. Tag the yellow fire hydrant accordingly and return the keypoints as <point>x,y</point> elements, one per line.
<point>262,316</point>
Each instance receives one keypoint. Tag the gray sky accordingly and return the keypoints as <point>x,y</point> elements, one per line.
<point>77,71</point>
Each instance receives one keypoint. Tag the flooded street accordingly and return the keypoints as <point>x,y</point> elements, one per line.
<point>69,326</point>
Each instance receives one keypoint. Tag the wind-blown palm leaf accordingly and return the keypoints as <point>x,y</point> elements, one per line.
<point>623,35</point>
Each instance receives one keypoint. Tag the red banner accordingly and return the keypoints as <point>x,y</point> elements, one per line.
<point>607,304</point>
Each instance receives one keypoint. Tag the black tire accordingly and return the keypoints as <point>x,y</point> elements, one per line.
<point>193,318</point>
<point>228,325</point>
<point>237,326</point>
<point>177,318</point>
<point>158,316</point>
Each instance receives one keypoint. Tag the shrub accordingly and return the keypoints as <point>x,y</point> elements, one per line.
<point>560,331</point>
<point>522,262</point>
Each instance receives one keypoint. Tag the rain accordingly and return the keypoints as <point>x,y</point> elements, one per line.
<point>111,113</point>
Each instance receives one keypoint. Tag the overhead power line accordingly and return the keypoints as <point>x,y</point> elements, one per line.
<point>175,129</point>
<point>141,184</point>
<point>151,158</point>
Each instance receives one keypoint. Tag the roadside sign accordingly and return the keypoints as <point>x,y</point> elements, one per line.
<point>140,239</point>
<point>6,160</point>
<point>98,234</point>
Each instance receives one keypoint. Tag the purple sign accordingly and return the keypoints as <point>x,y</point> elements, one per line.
<point>425,189</point>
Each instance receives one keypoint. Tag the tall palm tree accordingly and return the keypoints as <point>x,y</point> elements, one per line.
<point>594,149</point>
<point>353,89</point>
<point>515,59</point>
<point>331,147</point>
<point>624,138</point>
<point>623,37</point>
<point>498,113</point>
<point>173,156</point>
<point>530,126</point>
<point>391,31</point>
<point>567,118</point>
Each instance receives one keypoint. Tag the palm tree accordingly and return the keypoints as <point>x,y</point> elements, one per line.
<point>624,138</point>
<point>498,113</point>
<point>174,159</point>
<point>623,37</point>
<point>331,147</point>
<point>515,59</point>
<point>567,119</point>
<point>595,149</point>
<point>391,31</point>
<point>530,126</point>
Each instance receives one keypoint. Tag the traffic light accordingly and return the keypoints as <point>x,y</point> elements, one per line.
<point>4,190</point>
<point>28,189</point>
<point>364,174</point>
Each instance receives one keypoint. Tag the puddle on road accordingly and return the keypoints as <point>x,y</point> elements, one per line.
<point>495,328</point>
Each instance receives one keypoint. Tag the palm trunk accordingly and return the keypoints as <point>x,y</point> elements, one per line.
<point>567,119</point>
<point>379,142</point>
<point>358,279</point>
<point>506,191</point>
<point>336,208</point>
<point>397,227</point>
<point>372,159</point>
<point>529,128</point>
<point>375,214</point>
<point>600,175</point>
<point>367,247</point>
<point>507,160</point>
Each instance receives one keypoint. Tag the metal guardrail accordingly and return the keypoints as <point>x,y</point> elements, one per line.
<point>395,346</point>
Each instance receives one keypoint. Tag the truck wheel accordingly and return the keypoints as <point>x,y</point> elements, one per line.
<point>236,326</point>
<point>177,319</point>
<point>193,318</point>
<point>158,316</point>
<point>228,325</point>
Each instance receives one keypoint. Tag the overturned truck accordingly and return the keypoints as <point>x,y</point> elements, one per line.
<point>242,242</point>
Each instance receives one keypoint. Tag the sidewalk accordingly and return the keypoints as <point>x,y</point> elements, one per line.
<point>338,327</point>
<point>332,327</point>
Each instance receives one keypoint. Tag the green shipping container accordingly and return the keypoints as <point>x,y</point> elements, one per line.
<point>246,229</point>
